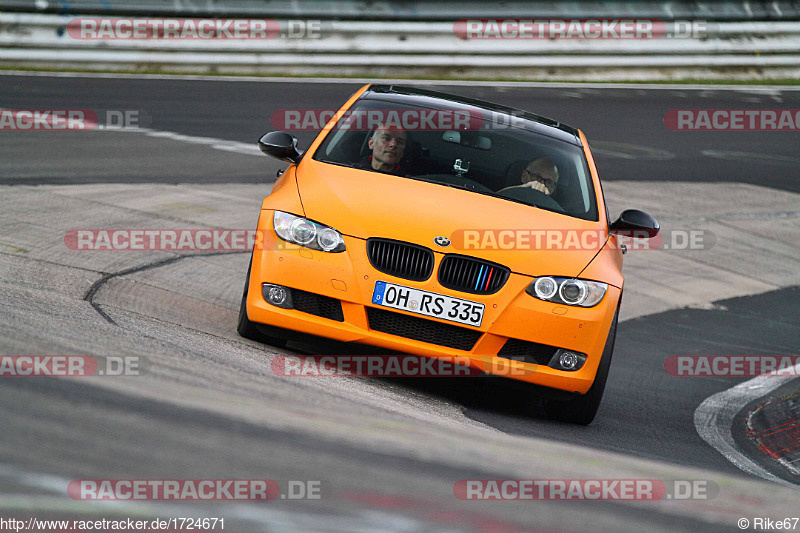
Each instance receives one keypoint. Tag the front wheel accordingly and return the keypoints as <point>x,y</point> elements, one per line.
<point>248,329</point>
<point>582,410</point>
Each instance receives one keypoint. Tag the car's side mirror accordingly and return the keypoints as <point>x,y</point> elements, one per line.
<point>635,223</point>
<point>280,145</point>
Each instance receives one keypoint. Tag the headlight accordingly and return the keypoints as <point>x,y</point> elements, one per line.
<point>573,291</point>
<point>302,231</point>
<point>545,287</point>
<point>569,291</point>
<point>299,230</point>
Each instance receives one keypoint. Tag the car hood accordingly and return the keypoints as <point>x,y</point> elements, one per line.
<point>365,204</point>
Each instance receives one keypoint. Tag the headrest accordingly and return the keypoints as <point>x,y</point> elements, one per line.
<point>514,172</point>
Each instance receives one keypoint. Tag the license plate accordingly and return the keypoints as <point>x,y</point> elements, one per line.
<point>428,303</point>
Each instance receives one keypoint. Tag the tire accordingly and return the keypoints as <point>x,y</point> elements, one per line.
<point>248,329</point>
<point>583,409</point>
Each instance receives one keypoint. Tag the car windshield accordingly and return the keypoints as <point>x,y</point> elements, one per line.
<point>478,150</point>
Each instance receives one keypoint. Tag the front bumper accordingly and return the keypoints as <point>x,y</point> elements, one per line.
<point>510,316</point>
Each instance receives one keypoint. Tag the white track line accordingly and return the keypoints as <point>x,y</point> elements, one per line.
<point>713,420</point>
<point>363,81</point>
<point>213,142</point>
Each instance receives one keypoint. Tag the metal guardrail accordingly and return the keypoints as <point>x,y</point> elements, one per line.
<point>430,10</point>
<point>415,49</point>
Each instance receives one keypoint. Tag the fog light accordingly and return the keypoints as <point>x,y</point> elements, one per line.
<point>277,295</point>
<point>567,360</point>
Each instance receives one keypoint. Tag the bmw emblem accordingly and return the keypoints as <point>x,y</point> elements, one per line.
<point>442,241</point>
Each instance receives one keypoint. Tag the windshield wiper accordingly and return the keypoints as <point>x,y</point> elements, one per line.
<point>439,182</point>
<point>340,163</point>
<point>465,186</point>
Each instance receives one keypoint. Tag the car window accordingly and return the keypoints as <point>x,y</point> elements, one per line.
<point>477,150</point>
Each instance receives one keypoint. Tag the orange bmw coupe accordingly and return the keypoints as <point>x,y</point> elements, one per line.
<point>442,226</point>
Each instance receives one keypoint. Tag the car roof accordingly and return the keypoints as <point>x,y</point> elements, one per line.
<point>436,99</point>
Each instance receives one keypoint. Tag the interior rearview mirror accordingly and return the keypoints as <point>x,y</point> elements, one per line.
<point>451,137</point>
<point>467,138</point>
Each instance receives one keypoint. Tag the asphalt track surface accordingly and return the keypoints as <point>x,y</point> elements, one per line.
<point>636,145</point>
<point>387,451</point>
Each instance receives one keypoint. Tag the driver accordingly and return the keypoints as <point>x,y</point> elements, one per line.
<point>540,175</point>
<point>388,146</point>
